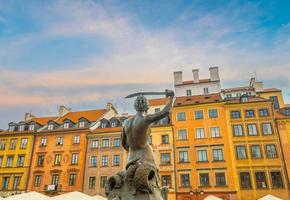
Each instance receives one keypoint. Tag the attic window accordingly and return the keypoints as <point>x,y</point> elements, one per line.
<point>66,125</point>
<point>244,98</point>
<point>287,111</point>
<point>31,127</point>
<point>50,127</point>
<point>21,127</point>
<point>103,125</point>
<point>114,123</point>
<point>11,128</point>
<point>82,124</point>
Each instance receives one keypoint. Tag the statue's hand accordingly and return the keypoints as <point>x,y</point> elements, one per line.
<point>169,93</point>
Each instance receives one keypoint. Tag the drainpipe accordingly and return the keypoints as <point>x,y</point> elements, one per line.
<point>30,163</point>
<point>174,163</point>
<point>85,161</point>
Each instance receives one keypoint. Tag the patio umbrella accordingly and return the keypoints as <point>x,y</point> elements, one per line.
<point>211,197</point>
<point>269,197</point>
<point>28,196</point>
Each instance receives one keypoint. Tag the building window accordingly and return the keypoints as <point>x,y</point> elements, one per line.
<point>21,127</point>
<point>82,124</point>
<point>199,133</point>
<point>72,179</point>
<point>104,161</point>
<point>95,144</point>
<point>183,156</point>
<point>261,180</point>
<point>50,127</point>
<point>182,134</point>
<point>1,161</point>
<point>76,139</point>
<point>93,162</point>
<point>23,143</point>
<point>287,111</point>
<point>277,181</point>
<point>92,182</point>
<point>238,130</point>
<point>113,124</point>
<point>252,129</point>
<point>156,110</point>
<point>59,141</point>
<point>271,151</point>
<point>202,155</point>
<point>105,143</point>
<point>43,142</point>
<point>66,125</point>
<point>236,114</point>
<point>5,183</point>
<point>13,143</point>
<point>166,181</point>
<point>241,152</point>
<point>11,128</point>
<point>103,181</point>
<point>54,179</point>
<point>103,125</point>
<point>75,158</point>
<point>116,160</point>
<point>181,116</point>
<point>40,160</point>
<point>57,159</point>
<point>150,140</point>
<point>116,142</point>
<point>204,180</point>
<point>37,180</point>
<point>205,91</point>
<point>263,112</point>
<point>16,182</point>
<point>198,114</point>
<point>220,179</point>
<point>184,179</point>
<point>267,129</point>
<point>188,92</point>
<point>213,113</point>
<point>276,101</point>
<point>165,139</point>
<point>245,179</point>
<point>31,127</point>
<point>20,161</point>
<point>215,132</point>
<point>2,144</point>
<point>218,154</point>
<point>165,158</point>
<point>256,151</point>
<point>250,113</point>
<point>9,162</point>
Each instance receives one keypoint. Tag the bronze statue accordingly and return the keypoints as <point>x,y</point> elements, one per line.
<point>141,178</point>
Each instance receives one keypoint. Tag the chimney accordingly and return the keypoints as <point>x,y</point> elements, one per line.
<point>258,86</point>
<point>62,110</point>
<point>28,117</point>
<point>177,78</point>
<point>214,73</point>
<point>195,75</point>
<point>109,105</point>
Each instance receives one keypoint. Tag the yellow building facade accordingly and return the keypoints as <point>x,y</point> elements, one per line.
<point>258,160</point>
<point>15,158</point>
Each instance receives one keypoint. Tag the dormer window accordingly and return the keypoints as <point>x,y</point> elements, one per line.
<point>50,127</point>
<point>244,98</point>
<point>82,124</point>
<point>11,128</point>
<point>66,125</point>
<point>21,127</point>
<point>31,127</point>
<point>114,124</point>
<point>103,125</point>
<point>287,111</point>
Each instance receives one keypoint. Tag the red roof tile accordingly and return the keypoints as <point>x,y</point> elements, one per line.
<point>157,102</point>
<point>91,115</point>
<point>198,99</point>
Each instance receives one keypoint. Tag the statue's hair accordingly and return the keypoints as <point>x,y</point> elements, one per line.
<point>141,104</point>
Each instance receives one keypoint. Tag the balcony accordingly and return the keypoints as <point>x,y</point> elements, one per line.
<point>52,188</point>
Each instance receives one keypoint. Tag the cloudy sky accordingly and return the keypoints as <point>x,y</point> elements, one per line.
<point>84,53</point>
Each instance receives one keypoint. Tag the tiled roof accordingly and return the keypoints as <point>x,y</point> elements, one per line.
<point>106,130</point>
<point>270,90</point>
<point>237,89</point>
<point>157,102</point>
<point>207,80</point>
<point>91,115</point>
<point>251,99</point>
<point>42,120</point>
<point>198,99</point>
<point>279,115</point>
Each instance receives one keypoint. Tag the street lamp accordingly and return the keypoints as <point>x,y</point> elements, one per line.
<point>196,192</point>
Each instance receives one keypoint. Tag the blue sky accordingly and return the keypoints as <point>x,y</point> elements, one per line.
<point>85,53</point>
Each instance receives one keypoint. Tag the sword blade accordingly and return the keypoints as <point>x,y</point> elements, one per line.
<point>144,93</point>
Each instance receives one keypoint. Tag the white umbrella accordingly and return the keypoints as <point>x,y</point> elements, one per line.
<point>269,197</point>
<point>72,196</point>
<point>98,197</point>
<point>211,197</point>
<point>28,196</point>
